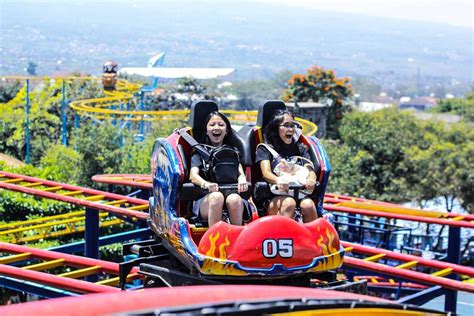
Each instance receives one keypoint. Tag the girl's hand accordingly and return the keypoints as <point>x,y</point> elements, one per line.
<point>283,185</point>
<point>211,187</point>
<point>310,184</point>
<point>243,185</point>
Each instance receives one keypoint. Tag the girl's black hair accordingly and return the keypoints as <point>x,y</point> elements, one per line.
<point>272,135</point>
<point>229,137</point>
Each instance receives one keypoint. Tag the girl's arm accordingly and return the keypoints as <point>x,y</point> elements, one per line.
<point>195,178</point>
<point>268,175</point>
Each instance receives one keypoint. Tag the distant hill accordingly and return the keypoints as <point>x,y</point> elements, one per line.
<point>256,39</point>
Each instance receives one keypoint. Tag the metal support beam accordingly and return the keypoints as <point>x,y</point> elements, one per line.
<point>143,233</point>
<point>63,114</point>
<point>141,107</point>
<point>37,289</point>
<point>27,121</point>
<point>423,297</point>
<point>91,247</point>
<point>454,256</point>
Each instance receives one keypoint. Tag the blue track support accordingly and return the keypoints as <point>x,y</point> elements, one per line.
<point>91,247</point>
<point>27,121</point>
<point>37,289</point>
<point>454,256</point>
<point>77,121</point>
<point>128,121</point>
<point>141,106</point>
<point>143,233</point>
<point>63,114</point>
<point>423,297</point>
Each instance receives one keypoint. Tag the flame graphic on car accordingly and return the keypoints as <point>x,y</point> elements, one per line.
<point>215,263</point>
<point>332,256</point>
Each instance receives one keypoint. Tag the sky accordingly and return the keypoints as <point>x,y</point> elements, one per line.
<point>453,12</point>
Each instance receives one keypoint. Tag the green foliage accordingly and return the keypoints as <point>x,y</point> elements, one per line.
<point>320,85</point>
<point>45,116</point>
<point>444,168</point>
<point>99,147</point>
<point>15,206</point>
<point>389,155</point>
<point>137,157</point>
<point>61,163</point>
<point>8,90</point>
<point>460,106</point>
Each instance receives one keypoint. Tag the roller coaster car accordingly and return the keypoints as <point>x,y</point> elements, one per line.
<point>109,75</point>
<point>267,247</point>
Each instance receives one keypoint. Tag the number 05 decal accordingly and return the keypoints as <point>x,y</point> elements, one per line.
<point>273,247</point>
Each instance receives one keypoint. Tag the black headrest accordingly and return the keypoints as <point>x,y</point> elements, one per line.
<point>267,110</point>
<point>199,112</point>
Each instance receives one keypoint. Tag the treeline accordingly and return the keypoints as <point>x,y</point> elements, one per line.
<point>386,155</point>
<point>390,155</point>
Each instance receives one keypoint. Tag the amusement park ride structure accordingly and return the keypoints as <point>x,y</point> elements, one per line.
<point>28,270</point>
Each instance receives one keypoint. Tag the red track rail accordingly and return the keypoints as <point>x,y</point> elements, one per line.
<point>378,214</point>
<point>331,203</point>
<point>414,276</point>
<point>54,280</point>
<point>141,181</point>
<point>28,188</point>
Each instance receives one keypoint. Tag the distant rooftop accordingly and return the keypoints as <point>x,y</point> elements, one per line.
<point>175,73</point>
<point>306,105</point>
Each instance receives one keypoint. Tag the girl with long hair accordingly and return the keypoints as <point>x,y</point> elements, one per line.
<point>217,132</point>
<point>282,137</point>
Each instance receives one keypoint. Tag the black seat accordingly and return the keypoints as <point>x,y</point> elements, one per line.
<point>266,112</point>
<point>200,110</point>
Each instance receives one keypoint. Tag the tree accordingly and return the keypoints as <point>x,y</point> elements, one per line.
<point>320,85</point>
<point>9,90</point>
<point>444,167</point>
<point>460,106</point>
<point>99,146</point>
<point>368,159</point>
<point>389,155</point>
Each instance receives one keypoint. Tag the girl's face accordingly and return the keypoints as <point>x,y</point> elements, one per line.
<point>286,129</point>
<point>216,130</point>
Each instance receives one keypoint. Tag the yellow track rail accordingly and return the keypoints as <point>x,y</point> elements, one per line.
<point>104,108</point>
<point>49,227</point>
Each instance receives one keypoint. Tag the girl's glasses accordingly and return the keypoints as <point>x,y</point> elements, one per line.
<point>293,125</point>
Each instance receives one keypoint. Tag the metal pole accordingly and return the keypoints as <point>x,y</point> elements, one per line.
<point>63,115</point>
<point>76,129</point>
<point>128,121</point>
<point>27,121</point>
<point>91,246</point>
<point>142,122</point>
<point>454,256</point>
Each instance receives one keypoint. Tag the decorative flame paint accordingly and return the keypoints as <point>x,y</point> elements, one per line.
<point>216,264</point>
<point>332,257</point>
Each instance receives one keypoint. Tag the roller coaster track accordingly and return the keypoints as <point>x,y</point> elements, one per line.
<point>35,262</point>
<point>37,265</point>
<point>112,105</point>
<point>89,198</point>
<point>50,227</point>
<point>106,107</point>
<point>335,203</point>
<point>375,259</point>
<point>370,259</point>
